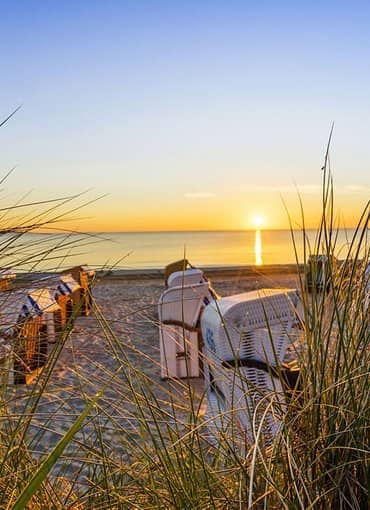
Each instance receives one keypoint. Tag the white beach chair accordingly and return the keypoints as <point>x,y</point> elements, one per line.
<point>245,338</point>
<point>179,310</point>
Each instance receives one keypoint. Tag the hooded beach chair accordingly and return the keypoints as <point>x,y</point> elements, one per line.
<point>244,343</point>
<point>29,319</point>
<point>179,311</point>
<point>84,276</point>
<point>67,293</point>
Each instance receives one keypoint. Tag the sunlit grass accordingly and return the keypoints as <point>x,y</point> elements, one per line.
<point>116,436</point>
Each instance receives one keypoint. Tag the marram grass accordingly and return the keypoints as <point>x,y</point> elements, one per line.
<point>144,444</point>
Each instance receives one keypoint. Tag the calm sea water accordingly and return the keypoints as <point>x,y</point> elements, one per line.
<point>156,249</point>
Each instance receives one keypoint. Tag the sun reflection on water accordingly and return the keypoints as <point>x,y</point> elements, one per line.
<point>258,248</point>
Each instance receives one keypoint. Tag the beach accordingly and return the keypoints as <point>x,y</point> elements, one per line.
<point>116,349</point>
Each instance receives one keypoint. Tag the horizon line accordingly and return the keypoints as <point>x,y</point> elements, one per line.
<point>171,231</point>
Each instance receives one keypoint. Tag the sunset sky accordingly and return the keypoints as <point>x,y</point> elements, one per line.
<point>188,115</point>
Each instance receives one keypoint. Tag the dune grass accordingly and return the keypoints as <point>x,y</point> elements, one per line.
<point>117,438</point>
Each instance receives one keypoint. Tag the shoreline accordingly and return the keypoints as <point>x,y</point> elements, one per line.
<point>158,273</point>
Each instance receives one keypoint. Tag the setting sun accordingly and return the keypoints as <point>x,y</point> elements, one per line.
<point>258,221</point>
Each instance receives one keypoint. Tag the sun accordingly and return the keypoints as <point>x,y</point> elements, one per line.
<point>257,221</point>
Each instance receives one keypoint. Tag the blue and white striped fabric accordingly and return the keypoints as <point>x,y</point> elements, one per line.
<point>64,289</point>
<point>30,307</point>
<point>66,285</point>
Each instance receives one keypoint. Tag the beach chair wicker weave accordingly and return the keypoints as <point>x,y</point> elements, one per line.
<point>245,338</point>
<point>28,320</point>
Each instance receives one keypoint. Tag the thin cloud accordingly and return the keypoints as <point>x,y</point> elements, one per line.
<point>358,188</point>
<point>304,188</point>
<point>199,195</point>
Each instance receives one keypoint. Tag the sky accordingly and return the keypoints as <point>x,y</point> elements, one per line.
<point>186,115</point>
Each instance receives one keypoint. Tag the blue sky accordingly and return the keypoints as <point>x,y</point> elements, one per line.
<point>189,115</point>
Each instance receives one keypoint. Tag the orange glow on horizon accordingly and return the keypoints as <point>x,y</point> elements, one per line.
<point>211,214</point>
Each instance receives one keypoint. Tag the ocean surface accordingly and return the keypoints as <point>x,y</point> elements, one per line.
<point>138,250</point>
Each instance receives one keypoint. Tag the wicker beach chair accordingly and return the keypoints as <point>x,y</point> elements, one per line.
<point>29,319</point>
<point>84,275</point>
<point>66,292</point>
<point>245,338</point>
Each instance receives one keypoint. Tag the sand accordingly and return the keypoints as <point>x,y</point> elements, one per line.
<point>90,357</point>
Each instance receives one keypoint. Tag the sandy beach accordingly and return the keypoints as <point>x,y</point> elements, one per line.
<point>118,347</point>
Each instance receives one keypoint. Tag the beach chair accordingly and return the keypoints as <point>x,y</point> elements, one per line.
<point>175,277</point>
<point>244,342</point>
<point>317,276</point>
<point>179,310</point>
<point>29,319</point>
<point>66,292</point>
<point>68,297</point>
<point>84,275</point>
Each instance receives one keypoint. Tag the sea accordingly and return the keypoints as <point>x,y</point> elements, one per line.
<point>152,250</point>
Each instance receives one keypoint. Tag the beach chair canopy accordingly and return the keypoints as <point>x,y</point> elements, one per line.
<point>179,265</point>
<point>87,269</point>
<point>39,302</point>
<point>63,284</point>
<point>68,284</point>
<point>241,326</point>
<point>76,270</point>
<point>185,278</point>
<point>18,305</point>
